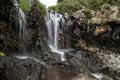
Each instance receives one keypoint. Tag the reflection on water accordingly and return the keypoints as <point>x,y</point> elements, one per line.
<point>55,73</point>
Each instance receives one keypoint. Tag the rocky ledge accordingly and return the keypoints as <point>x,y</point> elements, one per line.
<point>12,68</point>
<point>29,68</point>
<point>97,33</point>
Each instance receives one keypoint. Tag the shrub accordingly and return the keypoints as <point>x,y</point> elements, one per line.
<point>88,14</point>
<point>66,6</point>
<point>52,8</point>
<point>24,6</point>
<point>58,1</point>
<point>42,9</point>
<point>70,6</point>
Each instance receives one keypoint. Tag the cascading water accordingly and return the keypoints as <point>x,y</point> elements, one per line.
<point>22,26</point>
<point>22,37</point>
<point>57,33</point>
<point>22,30</point>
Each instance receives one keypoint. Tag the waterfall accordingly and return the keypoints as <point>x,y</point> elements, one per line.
<point>22,30</point>
<point>22,27</point>
<point>57,33</point>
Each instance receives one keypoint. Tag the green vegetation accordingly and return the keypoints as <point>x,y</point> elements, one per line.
<point>88,14</point>
<point>52,8</point>
<point>58,1</point>
<point>97,4</point>
<point>2,54</point>
<point>66,6</point>
<point>39,6</point>
<point>42,9</point>
<point>70,6</point>
<point>24,6</point>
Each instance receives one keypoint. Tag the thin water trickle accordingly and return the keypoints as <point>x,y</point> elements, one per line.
<point>29,57</point>
<point>22,28</point>
<point>58,41</point>
<point>15,3</point>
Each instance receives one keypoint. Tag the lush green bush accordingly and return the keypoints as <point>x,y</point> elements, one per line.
<point>88,13</point>
<point>52,8</point>
<point>58,1</point>
<point>70,6</point>
<point>24,6</point>
<point>42,9</point>
<point>97,4</point>
<point>66,6</point>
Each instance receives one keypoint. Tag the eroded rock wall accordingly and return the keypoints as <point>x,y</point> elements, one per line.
<point>98,34</point>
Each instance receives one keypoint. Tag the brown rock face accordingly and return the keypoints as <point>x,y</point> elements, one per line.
<point>8,38</point>
<point>99,36</point>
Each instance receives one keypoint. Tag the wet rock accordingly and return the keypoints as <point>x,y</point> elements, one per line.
<point>91,77</point>
<point>27,69</point>
<point>83,77</point>
<point>36,32</point>
<point>106,78</point>
<point>8,37</point>
<point>74,62</point>
<point>103,61</point>
<point>97,35</point>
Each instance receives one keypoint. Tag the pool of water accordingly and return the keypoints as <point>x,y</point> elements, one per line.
<point>55,73</point>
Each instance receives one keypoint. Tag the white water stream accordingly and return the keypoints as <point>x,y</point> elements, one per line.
<point>56,27</point>
<point>29,57</point>
<point>22,28</point>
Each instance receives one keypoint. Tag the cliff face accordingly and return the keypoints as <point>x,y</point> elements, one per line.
<point>10,21</point>
<point>10,31</point>
<point>9,26</point>
<point>98,33</point>
<point>101,28</point>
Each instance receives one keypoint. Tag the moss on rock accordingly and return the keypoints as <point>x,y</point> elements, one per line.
<point>2,54</point>
<point>42,8</point>
<point>24,5</point>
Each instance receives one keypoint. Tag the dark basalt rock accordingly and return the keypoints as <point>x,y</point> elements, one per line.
<point>17,69</point>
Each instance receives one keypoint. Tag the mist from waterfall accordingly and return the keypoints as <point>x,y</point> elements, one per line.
<point>57,28</point>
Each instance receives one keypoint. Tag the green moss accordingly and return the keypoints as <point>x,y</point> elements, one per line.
<point>88,14</point>
<point>24,6</point>
<point>2,54</point>
<point>42,9</point>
